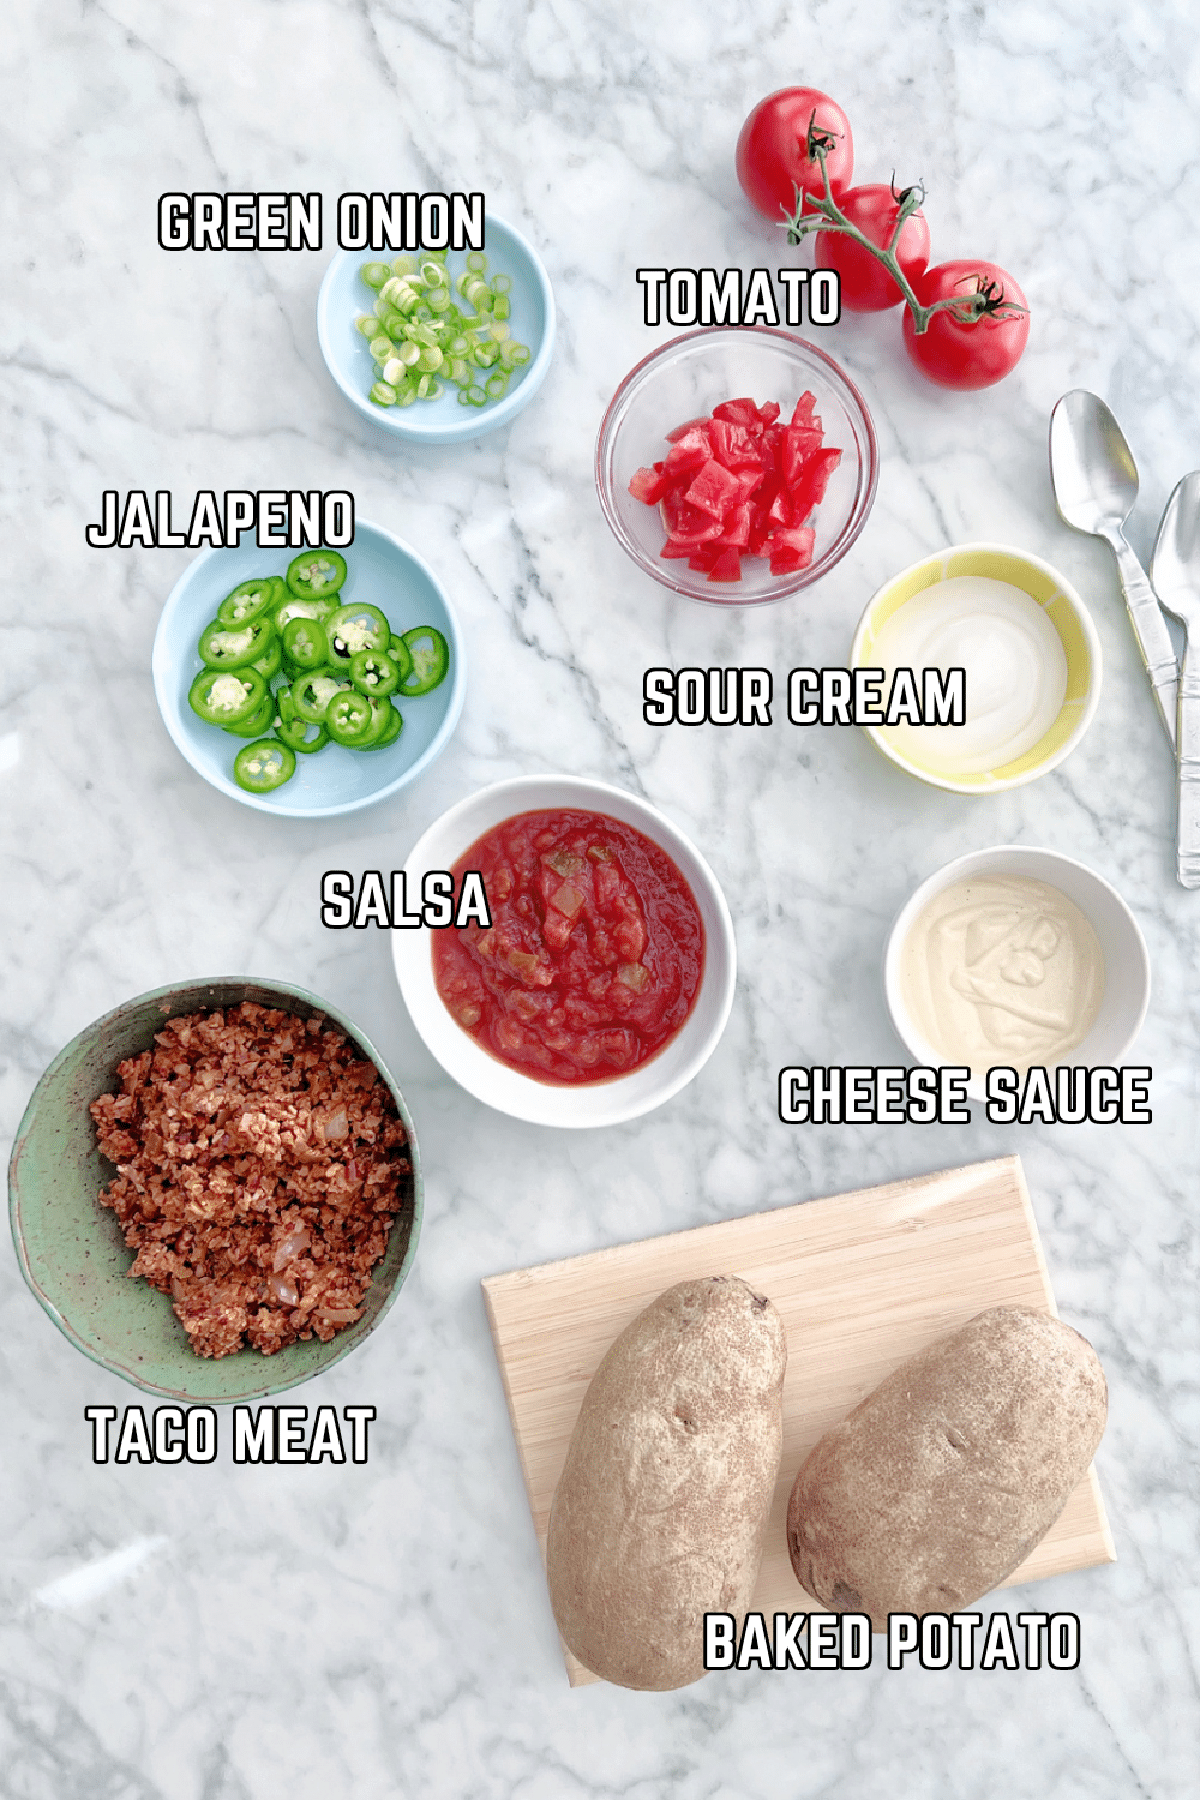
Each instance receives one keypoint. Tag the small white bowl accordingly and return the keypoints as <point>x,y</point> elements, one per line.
<point>443,421</point>
<point>1065,611</point>
<point>495,1083</point>
<point>1126,959</point>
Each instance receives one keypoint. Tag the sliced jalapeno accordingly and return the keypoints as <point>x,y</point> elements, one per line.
<point>294,733</point>
<point>232,647</point>
<point>349,718</point>
<point>261,768</point>
<point>291,607</point>
<point>251,599</point>
<point>305,644</point>
<point>392,724</point>
<point>311,695</point>
<point>226,697</point>
<point>353,629</point>
<point>316,572</point>
<point>375,673</point>
<point>259,722</point>
<point>270,663</point>
<point>430,655</point>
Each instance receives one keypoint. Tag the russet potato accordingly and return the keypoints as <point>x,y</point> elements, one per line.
<point>939,1484</point>
<point>662,1505</point>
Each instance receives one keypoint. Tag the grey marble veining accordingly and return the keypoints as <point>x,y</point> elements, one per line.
<point>221,1633</point>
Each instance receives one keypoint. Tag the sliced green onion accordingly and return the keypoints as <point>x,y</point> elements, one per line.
<point>500,307</point>
<point>383,394</point>
<point>476,260</point>
<point>501,284</point>
<point>496,386</point>
<point>375,274</point>
<point>367,323</point>
<point>404,265</point>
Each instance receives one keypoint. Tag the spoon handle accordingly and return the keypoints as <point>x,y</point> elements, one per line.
<point>1150,629</point>
<point>1187,837</point>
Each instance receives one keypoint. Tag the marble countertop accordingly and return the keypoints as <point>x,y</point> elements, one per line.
<point>218,1633</point>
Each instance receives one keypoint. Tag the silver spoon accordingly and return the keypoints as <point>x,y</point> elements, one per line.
<point>1175,571</point>
<point>1095,485</point>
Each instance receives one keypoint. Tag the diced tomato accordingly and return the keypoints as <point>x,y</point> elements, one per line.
<point>728,566</point>
<point>688,524</point>
<point>760,530</point>
<point>738,412</point>
<point>673,437</point>
<point>689,454</point>
<point>741,483</point>
<point>809,490</point>
<point>804,412</point>
<point>799,443</point>
<point>791,549</point>
<point>650,485</point>
<point>734,445</point>
<point>749,481</point>
<point>735,527</point>
<point>704,556</point>
<point>715,489</point>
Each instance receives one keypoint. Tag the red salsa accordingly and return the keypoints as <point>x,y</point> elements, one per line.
<point>595,953</point>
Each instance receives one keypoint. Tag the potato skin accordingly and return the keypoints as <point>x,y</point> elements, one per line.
<point>661,1510</point>
<point>945,1477</point>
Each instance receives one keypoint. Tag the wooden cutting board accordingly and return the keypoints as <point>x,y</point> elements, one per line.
<point>861,1281</point>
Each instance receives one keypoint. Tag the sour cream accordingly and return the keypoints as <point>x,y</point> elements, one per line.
<point>1016,671</point>
<point>1002,972</point>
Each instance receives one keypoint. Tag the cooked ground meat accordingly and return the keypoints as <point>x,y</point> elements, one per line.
<point>260,1167</point>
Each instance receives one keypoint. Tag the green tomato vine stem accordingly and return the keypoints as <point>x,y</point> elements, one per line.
<point>988,300</point>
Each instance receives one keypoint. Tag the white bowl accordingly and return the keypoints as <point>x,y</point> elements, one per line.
<point>495,1083</point>
<point>443,421</point>
<point>1126,960</point>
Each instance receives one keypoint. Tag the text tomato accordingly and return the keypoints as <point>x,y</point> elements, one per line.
<point>866,285</point>
<point>772,150</point>
<point>960,355</point>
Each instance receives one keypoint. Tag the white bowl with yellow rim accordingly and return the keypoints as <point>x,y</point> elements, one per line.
<point>1071,623</point>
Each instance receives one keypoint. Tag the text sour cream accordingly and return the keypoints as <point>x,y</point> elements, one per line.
<point>1016,671</point>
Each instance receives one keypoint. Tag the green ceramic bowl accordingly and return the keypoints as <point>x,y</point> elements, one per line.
<point>71,1249</point>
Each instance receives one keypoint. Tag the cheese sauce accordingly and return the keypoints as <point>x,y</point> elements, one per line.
<point>1016,671</point>
<point>1002,972</point>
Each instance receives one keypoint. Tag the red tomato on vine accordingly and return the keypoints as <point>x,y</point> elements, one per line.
<point>772,150</point>
<point>866,285</point>
<point>957,354</point>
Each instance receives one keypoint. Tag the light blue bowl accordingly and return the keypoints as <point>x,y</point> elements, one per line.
<point>344,296</point>
<point>382,571</point>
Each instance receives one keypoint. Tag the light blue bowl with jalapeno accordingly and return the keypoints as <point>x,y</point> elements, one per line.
<point>512,266</point>
<point>383,576</point>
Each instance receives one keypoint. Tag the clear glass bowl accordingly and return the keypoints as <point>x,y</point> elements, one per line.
<point>685,379</point>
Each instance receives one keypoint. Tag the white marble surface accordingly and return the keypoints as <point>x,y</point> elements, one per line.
<point>385,1630</point>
